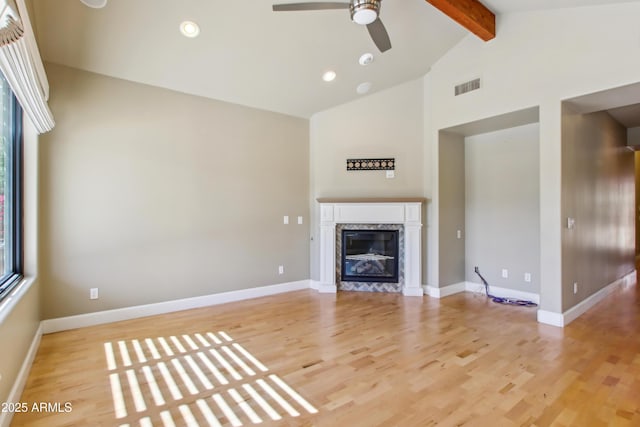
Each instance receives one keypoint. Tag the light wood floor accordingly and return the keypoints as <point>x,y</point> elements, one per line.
<point>359,359</point>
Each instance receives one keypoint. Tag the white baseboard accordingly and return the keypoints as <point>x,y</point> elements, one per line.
<point>502,292</point>
<point>413,292</point>
<point>21,380</point>
<point>327,288</point>
<point>456,288</point>
<point>563,319</point>
<point>116,315</point>
<point>551,318</point>
<point>445,291</point>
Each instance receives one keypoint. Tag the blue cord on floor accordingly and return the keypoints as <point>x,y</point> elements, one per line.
<point>501,300</point>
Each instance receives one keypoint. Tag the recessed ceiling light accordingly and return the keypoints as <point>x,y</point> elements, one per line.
<point>189,29</point>
<point>365,59</point>
<point>363,88</point>
<point>329,76</point>
<point>96,4</point>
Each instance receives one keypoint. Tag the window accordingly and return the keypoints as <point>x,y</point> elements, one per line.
<point>10,189</point>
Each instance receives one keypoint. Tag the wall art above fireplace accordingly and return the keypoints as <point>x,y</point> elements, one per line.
<point>371,164</point>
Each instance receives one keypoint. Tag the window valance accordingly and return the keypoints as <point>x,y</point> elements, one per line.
<point>21,64</point>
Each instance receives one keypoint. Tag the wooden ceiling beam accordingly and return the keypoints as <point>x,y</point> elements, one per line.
<point>471,14</point>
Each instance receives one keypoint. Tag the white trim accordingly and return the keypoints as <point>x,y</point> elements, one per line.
<point>574,312</point>
<point>445,291</point>
<point>478,288</point>
<point>407,214</point>
<point>9,303</point>
<point>109,316</point>
<point>314,284</point>
<point>412,292</point>
<point>563,319</point>
<point>327,288</point>
<point>550,318</point>
<point>21,379</point>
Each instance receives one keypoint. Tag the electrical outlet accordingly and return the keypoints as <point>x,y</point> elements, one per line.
<point>505,273</point>
<point>281,269</point>
<point>527,277</point>
<point>391,174</point>
<point>575,287</point>
<point>93,293</point>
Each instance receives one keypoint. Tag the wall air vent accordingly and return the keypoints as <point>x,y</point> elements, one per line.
<point>467,86</point>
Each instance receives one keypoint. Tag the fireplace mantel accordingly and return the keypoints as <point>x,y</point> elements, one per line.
<point>406,212</point>
<point>371,200</point>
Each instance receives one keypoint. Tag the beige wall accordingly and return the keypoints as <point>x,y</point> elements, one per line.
<point>17,331</point>
<point>637,203</point>
<point>503,207</point>
<point>598,191</point>
<point>151,195</point>
<point>522,69</point>
<point>384,124</point>
<point>452,209</point>
<point>21,315</point>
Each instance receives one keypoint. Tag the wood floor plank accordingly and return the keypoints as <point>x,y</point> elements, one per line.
<point>356,359</point>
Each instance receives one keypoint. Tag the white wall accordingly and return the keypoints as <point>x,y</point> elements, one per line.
<point>384,124</point>
<point>537,59</point>
<point>502,207</point>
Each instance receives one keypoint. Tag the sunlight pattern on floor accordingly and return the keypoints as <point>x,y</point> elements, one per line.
<point>195,380</point>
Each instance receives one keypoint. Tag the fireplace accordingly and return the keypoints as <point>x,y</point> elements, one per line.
<point>401,218</point>
<point>370,256</point>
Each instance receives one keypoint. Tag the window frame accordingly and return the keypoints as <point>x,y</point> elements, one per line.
<point>13,209</point>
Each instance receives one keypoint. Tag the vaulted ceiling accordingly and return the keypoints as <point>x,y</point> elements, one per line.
<point>250,55</point>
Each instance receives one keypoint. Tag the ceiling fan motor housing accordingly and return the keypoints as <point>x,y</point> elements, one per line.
<point>364,12</point>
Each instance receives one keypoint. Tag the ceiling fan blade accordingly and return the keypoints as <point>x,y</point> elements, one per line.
<point>379,35</point>
<point>321,5</point>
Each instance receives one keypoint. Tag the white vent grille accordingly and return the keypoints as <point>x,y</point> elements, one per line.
<point>467,87</point>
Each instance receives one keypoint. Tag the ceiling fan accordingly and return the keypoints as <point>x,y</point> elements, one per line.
<point>363,12</point>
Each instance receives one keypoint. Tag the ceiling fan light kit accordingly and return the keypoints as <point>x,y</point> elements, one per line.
<point>364,12</point>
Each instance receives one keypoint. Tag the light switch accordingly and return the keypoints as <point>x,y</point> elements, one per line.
<point>286,219</point>
<point>299,220</point>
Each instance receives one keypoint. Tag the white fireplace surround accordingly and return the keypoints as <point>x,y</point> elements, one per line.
<point>406,213</point>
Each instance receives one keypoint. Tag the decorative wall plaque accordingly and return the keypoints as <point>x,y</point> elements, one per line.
<point>371,164</point>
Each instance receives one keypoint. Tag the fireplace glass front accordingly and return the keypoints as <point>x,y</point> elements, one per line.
<point>370,256</point>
